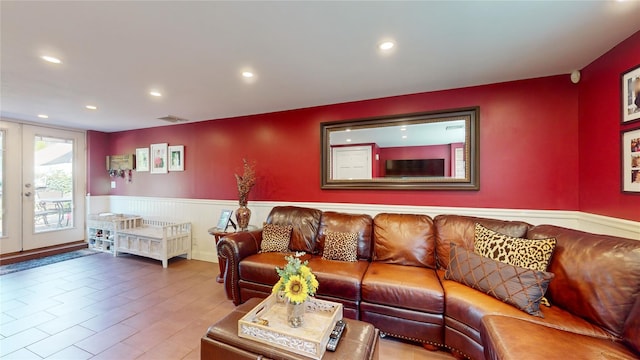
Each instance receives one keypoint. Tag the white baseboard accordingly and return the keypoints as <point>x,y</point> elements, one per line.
<point>203,214</point>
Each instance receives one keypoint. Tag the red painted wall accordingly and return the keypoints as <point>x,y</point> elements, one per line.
<point>599,113</point>
<point>416,152</point>
<point>528,150</point>
<point>98,148</point>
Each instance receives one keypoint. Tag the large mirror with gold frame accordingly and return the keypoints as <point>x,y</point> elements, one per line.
<point>434,150</point>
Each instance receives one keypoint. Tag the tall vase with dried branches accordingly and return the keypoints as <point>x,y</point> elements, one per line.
<point>245,183</point>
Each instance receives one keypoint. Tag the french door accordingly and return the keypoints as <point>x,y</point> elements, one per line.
<point>43,186</point>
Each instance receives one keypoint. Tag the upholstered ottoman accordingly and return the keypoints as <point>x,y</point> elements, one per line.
<point>359,341</point>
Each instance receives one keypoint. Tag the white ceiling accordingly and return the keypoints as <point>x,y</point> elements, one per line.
<point>303,53</point>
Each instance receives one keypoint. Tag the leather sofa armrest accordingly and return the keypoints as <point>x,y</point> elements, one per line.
<point>233,248</point>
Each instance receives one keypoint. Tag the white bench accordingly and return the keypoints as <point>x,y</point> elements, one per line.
<point>158,239</point>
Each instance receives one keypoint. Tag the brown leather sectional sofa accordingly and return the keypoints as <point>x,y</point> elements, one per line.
<point>398,284</point>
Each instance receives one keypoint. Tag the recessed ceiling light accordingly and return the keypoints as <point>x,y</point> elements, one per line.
<point>51,59</point>
<point>348,140</point>
<point>348,130</point>
<point>387,45</point>
<point>247,74</point>
<point>404,136</point>
<point>91,107</point>
<point>403,129</point>
<point>155,93</point>
<point>43,116</point>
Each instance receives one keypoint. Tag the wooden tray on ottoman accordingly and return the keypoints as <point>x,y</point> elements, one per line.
<point>309,340</point>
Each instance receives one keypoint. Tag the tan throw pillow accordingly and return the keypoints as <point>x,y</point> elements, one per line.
<point>340,246</point>
<point>525,253</point>
<point>520,287</point>
<point>275,238</point>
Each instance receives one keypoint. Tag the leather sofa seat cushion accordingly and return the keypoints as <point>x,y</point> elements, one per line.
<point>339,279</point>
<point>409,287</point>
<point>460,230</point>
<point>468,306</point>
<point>360,224</point>
<point>305,223</point>
<point>404,239</point>
<point>503,339</point>
<point>597,276</point>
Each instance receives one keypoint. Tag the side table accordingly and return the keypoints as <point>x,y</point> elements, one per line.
<point>219,234</point>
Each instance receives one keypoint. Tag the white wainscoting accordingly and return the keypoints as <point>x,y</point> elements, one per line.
<point>203,214</point>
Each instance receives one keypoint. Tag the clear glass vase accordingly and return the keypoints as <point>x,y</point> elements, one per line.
<point>295,314</point>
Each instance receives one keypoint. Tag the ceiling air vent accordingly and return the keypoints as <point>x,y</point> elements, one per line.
<point>173,119</point>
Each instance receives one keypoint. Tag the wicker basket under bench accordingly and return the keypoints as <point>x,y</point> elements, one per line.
<point>158,239</point>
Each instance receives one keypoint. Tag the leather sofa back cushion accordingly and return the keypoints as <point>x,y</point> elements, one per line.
<point>460,230</point>
<point>361,224</point>
<point>631,332</point>
<point>597,276</point>
<point>305,223</point>
<point>520,287</point>
<point>405,239</point>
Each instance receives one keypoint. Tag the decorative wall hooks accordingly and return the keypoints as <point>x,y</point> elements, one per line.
<point>121,165</point>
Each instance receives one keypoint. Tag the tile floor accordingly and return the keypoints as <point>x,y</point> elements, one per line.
<point>101,307</point>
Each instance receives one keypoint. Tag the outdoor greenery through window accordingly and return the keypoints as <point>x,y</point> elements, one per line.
<point>53,183</point>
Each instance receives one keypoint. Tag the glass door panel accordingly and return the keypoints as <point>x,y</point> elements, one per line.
<point>53,183</point>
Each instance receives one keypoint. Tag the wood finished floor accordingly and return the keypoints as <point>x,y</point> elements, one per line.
<point>101,307</point>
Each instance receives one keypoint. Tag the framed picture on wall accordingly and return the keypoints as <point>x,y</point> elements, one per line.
<point>159,158</point>
<point>142,159</point>
<point>631,161</point>
<point>176,158</point>
<point>631,95</point>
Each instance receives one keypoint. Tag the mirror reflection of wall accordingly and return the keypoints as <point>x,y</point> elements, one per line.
<point>418,150</point>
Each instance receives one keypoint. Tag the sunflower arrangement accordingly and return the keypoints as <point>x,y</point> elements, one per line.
<point>296,280</point>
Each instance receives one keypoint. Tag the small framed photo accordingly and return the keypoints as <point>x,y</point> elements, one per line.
<point>142,159</point>
<point>176,158</point>
<point>631,95</point>
<point>631,161</point>
<point>225,217</point>
<point>159,158</point>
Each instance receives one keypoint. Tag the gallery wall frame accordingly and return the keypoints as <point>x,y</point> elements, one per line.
<point>630,95</point>
<point>176,158</point>
<point>630,177</point>
<point>142,159</point>
<point>159,158</point>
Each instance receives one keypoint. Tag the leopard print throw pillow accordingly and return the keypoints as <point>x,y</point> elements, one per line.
<point>275,238</point>
<point>524,253</point>
<point>340,246</point>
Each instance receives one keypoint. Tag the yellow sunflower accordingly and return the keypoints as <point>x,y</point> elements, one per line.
<point>277,286</point>
<point>314,283</point>
<point>296,289</point>
<point>305,271</point>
